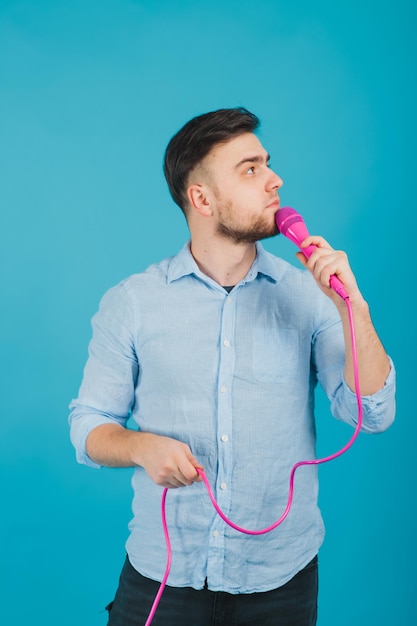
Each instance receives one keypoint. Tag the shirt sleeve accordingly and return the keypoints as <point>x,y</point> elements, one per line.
<point>106,394</point>
<point>378,408</point>
<point>329,360</point>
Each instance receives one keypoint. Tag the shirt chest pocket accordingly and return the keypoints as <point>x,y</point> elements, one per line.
<point>276,354</point>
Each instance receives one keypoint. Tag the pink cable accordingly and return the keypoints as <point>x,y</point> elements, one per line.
<point>291,485</point>
<point>169,560</point>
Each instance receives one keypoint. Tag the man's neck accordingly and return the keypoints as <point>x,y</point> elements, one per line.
<point>224,261</point>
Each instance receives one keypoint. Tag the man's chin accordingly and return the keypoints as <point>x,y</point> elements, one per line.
<point>256,234</point>
<point>260,234</point>
<point>269,235</point>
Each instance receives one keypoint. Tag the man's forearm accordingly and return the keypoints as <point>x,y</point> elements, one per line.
<point>373,362</point>
<point>113,445</point>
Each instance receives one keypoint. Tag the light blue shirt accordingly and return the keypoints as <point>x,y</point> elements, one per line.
<point>232,375</point>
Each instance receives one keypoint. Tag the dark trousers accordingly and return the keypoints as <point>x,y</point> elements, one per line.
<point>294,604</point>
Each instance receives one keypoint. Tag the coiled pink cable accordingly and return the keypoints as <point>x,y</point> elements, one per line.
<point>262,531</point>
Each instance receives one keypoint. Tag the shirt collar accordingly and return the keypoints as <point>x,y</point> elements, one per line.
<point>183,264</point>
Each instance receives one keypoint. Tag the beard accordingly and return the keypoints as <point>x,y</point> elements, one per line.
<point>261,228</point>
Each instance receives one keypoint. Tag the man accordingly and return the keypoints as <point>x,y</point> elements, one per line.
<point>215,353</point>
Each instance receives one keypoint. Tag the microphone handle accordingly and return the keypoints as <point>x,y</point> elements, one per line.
<point>335,283</point>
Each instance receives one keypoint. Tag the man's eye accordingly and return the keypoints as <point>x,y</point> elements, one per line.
<point>251,170</point>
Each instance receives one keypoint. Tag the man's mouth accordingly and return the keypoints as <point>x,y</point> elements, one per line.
<point>275,204</point>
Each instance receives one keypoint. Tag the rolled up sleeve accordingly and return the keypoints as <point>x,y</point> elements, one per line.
<point>106,394</point>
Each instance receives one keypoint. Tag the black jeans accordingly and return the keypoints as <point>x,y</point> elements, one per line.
<point>294,604</point>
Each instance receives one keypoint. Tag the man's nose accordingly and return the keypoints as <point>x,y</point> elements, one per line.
<point>274,181</point>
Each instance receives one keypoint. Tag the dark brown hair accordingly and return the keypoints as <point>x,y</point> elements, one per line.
<point>194,141</point>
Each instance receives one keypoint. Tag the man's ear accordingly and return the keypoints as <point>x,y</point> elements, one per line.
<point>198,197</point>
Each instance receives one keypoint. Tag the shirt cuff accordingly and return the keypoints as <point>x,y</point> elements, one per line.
<point>378,408</point>
<point>81,427</point>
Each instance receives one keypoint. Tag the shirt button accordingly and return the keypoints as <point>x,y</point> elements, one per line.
<point>223,486</point>
<point>225,438</point>
<point>223,389</point>
<point>226,343</point>
<point>216,533</point>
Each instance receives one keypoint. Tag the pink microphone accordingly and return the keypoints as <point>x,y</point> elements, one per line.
<point>291,225</point>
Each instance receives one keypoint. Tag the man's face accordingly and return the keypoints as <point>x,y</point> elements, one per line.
<point>245,189</point>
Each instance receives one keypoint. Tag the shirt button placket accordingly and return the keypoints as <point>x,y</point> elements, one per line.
<point>226,372</point>
<point>224,447</point>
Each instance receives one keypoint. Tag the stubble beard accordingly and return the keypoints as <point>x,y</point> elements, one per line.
<point>259,229</point>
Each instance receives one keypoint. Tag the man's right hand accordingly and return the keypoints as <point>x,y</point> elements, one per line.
<point>168,462</point>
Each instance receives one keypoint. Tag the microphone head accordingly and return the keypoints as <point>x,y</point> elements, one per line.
<point>291,225</point>
<point>286,217</point>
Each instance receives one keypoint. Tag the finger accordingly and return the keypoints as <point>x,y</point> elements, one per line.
<point>315,240</point>
<point>172,483</point>
<point>199,477</point>
<point>300,256</point>
<point>197,465</point>
<point>331,263</point>
<point>194,464</point>
<point>188,473</point>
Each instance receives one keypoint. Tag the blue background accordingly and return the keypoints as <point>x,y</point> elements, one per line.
<point>90,93</point>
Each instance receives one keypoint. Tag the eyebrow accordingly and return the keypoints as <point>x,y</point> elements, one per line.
<point>253,159</point>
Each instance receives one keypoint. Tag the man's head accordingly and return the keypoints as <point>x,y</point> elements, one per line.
<point>189,147</point>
